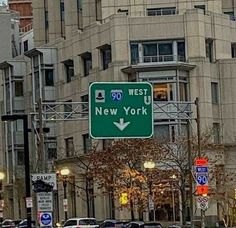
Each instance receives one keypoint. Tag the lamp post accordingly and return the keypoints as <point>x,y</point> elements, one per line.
<point>2,176</point>
<point>64,173</point>
<point>173,177</point>
<point>149,165</point>
<point>24,118</point>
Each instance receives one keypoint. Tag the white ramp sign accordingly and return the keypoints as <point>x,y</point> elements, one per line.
<point>49,178</point>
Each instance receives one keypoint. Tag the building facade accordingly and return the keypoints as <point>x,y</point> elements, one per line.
<point>185,49</point>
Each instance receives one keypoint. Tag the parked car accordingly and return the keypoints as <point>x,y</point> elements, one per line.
<point>141,224</point>
<point>135,224</point>
<point>153,225</point>
<point>112,224</point>
<point>8,223</point>
<point>23,224</point>
<point>81,222</point>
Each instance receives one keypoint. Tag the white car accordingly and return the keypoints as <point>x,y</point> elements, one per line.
<point>81,223</point>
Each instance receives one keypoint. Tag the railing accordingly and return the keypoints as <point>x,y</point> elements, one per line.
<point>26,28</point>
<point>158,58</point>
<point>160,12</point>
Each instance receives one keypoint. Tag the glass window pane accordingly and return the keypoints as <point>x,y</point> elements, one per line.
<point>160,92</point>
<point>165,49</point>
<point>49,81</point>
<point>214,92</point>
<point>19,88</point>
<point>162,132</point>
<point>150,49</point>
<point>216,133</point>
<point>134,54</point>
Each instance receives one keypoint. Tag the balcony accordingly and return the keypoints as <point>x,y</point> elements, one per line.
<point>158,59</point>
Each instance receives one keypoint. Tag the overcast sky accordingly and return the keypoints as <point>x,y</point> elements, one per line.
<point>3,1</point>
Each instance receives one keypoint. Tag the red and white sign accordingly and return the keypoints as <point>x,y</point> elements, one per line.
<point>29,202</point>
<point>201,162</point>
<point>202,202</point>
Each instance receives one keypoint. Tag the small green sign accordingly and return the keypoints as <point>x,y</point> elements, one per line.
<point>120,110</point>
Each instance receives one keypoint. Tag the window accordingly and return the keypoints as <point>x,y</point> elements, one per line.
<point>49,79</point>
<point>216,133</point>
<point>98,10</point>
<point>163,92</point>
<point>18,125</point>
<point>134,54</point>
<point>87,143</point>
<point>161,11</point>
<point>202,7</point>
<point>51,148</point>
<point>68,109</point>
<point>85,107</point>
<point>69,147</point>
<point>181,51</point>
<point>165,132</point>
<point>80,13</point>
<point>106,56</point>
<point>69,66</point>
<point>214,93</point>
<point>87,62</point>
<point>70,223</point>
<point>19,92</point>
<point>183,91</point>
<point>233,50</point>
<point>165,52</point>
<point>20,157</point>
<point>62,15</point>
<point>209,50</point>
<point>25,44</point>
<point>149,53</point>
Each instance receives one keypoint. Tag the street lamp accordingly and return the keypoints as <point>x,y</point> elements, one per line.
<point>65,173</point>
<point>24,118</point>
<point>2,176</point>
<point>173,177</point>
<point>149,165</point>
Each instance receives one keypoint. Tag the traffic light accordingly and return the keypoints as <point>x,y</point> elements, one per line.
<point>124,198</point>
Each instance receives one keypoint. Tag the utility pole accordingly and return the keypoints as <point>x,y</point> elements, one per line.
<point>199,151</point>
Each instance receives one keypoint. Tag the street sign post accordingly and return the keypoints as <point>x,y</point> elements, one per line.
<point>120,110</point>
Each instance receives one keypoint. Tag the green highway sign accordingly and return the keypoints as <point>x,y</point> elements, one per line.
<point>120,110</point>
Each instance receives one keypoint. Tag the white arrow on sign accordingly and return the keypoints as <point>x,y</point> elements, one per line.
<point>121,125</point>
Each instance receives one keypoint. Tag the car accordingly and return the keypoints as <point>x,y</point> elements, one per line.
<point>81,222</point>
<point>112,224</point>
<point>135,224</point>
<point>141,224</point>
<point>8,223</point>
<point>23,224</point>
<point>153,225</point>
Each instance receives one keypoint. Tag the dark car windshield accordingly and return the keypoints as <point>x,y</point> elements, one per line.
<point>87,222</point>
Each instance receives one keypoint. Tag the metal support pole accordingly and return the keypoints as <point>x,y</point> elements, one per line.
<point>42,154</point>
<point>173,203</point>
<point>65,196</point>
<point>1,198</point>
<point>27,167</point>
<point>199,151</point>
<point>190,162</point>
